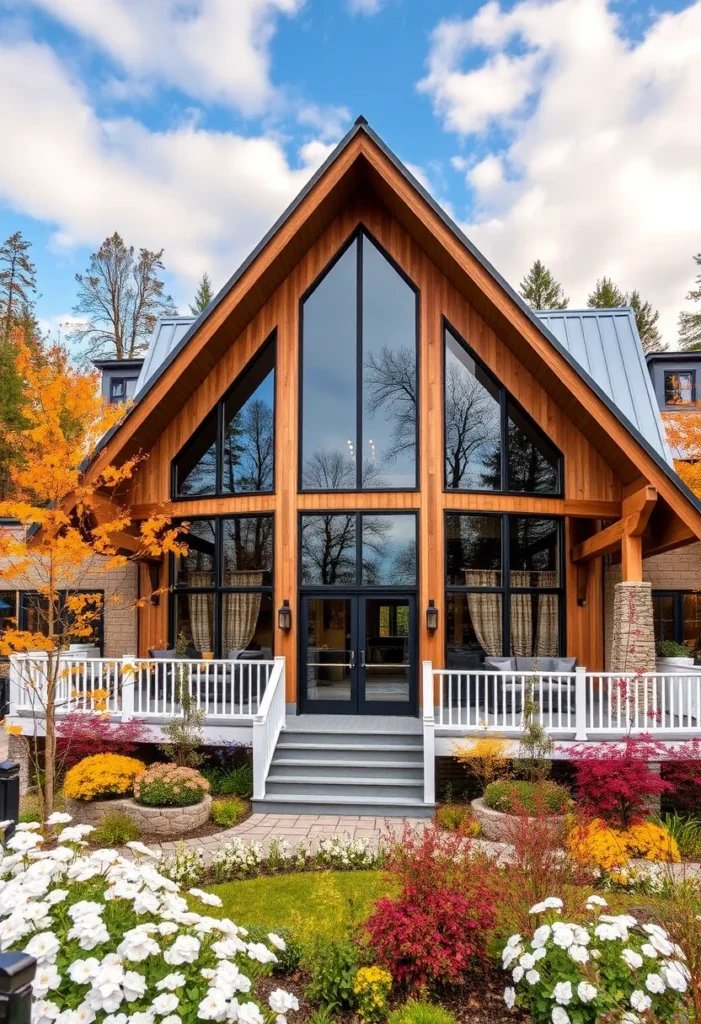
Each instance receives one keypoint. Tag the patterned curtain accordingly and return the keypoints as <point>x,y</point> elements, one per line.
<point>547,639</point>
<point>521,616</point>
<point>240,611</point>
<point>485,610</point>
<point>201,608</point>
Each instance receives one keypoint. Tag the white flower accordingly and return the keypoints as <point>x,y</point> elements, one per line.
<point>580,954</point>
<point>133,985</point>
<point>532,977</point>
<point>260,952</point>
<point>541,936</point>
<point>514,940</point>
<point>586,992</point>
<point>640,1001</point>
<point>510,997</point>
<point>674,975</point>
<point>165,1003</point>
<point>213,1006</point>
<point>83,1014</point>
<point>553,903</point>
<point>58,818</point>
<point>661,944</point>
<point>563,936</point>
<point>83,908</point>
<point>539,953</point>
<point>141,1018</point>
<point>167,928</point>
<point>562,993</point>
<point>559,1016</point>
<point>43,947</point>
<point>633,959</point>
<point>250,1014</point>
<point>23,841</point>
<point>538,908</point>
<point>184,950</point>
<point>172,981</point>
<point>206,897</point>
<point>654,983</point>
<point>276,941</point>
<point>527,961</point>
<point>137,946</point>
<point>115,1018</point>
<point>606,931</point>
<point>596,901</point>
<point>144,850</point>
<point>172,1019</point>
<point>509,954</point>
<point>56,896</point>
<point>74,833</point>
<point>280,1001</point>
<point>83,971</point>
<point>28,826</point>
<point>46,977</point>
<point>44,1011</point>
<point>630,1018</point>
<point>517,974</point>
<point>649,950</point>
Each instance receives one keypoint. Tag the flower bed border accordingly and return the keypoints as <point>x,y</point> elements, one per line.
<point>497,825</point>
<point>166,822</point>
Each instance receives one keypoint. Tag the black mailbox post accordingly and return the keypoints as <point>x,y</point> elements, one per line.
<point>9,794</point>
<point>16,976</point>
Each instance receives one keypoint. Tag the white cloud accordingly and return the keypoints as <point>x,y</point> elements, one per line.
<point>206,197</point>
<point>600,170</point>
<point>329,123</point>
<point>366,7</point>
<point>214,50</point>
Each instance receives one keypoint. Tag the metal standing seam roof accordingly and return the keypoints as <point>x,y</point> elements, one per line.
<point>603,342</point>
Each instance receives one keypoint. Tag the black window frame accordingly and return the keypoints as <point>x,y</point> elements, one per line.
<point>115,399</point>
<point>676,373</point>
<point>218,588</point>
<point>357,234</point>
<point>26,595</point>
<point>11,615</point>
<point>677,614</point>
<point>505,589</point>
<point>358,587</point>
<point>219,411</point>
<point>506,399</point>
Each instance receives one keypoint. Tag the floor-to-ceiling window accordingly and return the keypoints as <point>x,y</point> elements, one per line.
<point>503,587</point>
<point>677,616</point>
<point>359,325</point>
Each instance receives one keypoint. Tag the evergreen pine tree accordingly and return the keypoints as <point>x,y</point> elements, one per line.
<point>540,289</point>
<point>690,323</point>
<point>203,296</point>
<point>646,321</point>
<point>17,283</point>
<point>607,295</point>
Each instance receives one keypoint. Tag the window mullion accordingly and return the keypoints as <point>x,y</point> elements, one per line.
<point>359,366</point>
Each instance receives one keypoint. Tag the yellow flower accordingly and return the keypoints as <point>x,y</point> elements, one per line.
<point>102,775</point>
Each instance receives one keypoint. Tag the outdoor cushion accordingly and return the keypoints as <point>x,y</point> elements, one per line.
<point>564,664</point>
<point>164,655</point>
<point>534,664</point>
<point>499,664</point>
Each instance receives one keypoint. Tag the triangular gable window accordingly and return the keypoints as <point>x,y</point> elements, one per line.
<point>232,452</point>
<point>491,444</point>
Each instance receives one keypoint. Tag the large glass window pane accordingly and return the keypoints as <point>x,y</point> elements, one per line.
<point>387,659</point>
<point>679,387</point>
<point>328,549</point>
<point>389,550</point>
<point>472,422</point>
<point>389,374</point>
<point>329,656</point>
<point>663,616</point>
<point>535,626</point>
<point>473,550</point>
<point>249,413</point>
<point>196,466</point>
<point>533,462</point>
<point>247,551</point>
<point>197,567</point>
<point>534,552</point>
<point>8,610</point>
<point>247,626</point>
<point>329,379</point>
<point>473,628</point>
<point>691,632</point>
<point>194,620</point>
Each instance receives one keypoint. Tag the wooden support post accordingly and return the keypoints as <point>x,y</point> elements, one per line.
<point>631,558</point>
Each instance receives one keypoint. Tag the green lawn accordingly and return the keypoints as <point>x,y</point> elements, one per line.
<point>301,899</point>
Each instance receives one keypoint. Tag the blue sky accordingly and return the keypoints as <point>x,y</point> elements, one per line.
<point>562,130</point>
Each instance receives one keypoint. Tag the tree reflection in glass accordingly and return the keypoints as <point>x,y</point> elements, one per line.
<point>472,422</point>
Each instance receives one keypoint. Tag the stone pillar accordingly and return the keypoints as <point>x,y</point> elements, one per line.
<point>17,751</point>
<point>633,645</point>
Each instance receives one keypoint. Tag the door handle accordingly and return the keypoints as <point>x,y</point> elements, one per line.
<point>352,659</point>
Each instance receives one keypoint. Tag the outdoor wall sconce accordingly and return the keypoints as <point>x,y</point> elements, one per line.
<point>284,616</point>
<point>431,617</point>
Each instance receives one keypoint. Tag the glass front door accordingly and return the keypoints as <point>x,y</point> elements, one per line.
<point>358,654</point>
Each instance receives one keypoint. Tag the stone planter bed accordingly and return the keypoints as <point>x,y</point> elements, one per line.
<point>495,825</point>
<point>164,822</point>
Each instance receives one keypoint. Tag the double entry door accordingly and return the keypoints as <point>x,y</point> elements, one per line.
<point>359,654</point>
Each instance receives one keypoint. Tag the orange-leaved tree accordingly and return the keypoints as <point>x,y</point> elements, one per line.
<point>683,430</point>
<point>69,529</point>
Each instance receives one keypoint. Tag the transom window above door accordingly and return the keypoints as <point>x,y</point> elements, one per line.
<point>358,549</point>
<point>232,452</point>
<point>359,326</point>
<point>491,444</point>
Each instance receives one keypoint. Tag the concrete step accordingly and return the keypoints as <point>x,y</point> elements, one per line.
<point>367,738</point>
<point>349,751</point>
<point>345,768</point>
<point>343,806</point>
<point>380,787</point>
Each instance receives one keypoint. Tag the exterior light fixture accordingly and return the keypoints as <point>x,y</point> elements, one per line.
<point>431,617</point>
<point>284,617</point>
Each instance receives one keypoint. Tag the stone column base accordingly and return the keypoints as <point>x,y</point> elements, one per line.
<point>633,645</point>
<point>17,751</point>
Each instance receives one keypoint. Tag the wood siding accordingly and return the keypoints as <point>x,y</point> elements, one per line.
<point>591,488</point>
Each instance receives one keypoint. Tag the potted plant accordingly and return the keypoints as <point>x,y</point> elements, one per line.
<point>672,656</point>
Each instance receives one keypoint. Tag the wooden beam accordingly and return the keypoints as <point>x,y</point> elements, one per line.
<point>631,558</point>
<point>672,533</point>
<point>639,508</point>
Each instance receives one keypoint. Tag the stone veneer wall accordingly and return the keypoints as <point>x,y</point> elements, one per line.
<point>674,570</point>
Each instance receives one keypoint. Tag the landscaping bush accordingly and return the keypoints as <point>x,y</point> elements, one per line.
<point>229,780</point>
<point>515,797</point>
<point>671,649</point>
<point>116,829</point>
<point>89,733</point>
<point>112,936</point>
<point>598,844</point>
<point>170,785</point>
<point>415,1011</point>
<point>682,770</point>
<point>226,813</point>
<point>102,775</point>
<point>333,967</point>
<point>372,987</point>
<point>686,832</point>
<point>680,913</point>
<point>288,959</point>
<point>612,968</point>
<point>434,931</point>
<point>457,818</point>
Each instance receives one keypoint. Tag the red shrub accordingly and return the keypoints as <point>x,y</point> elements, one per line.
<point>682,770</point>
<point>435,930</point>
<point>615,780</point>
<point>83,734</point>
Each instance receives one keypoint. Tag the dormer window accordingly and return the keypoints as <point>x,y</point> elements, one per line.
<point>679,387</point>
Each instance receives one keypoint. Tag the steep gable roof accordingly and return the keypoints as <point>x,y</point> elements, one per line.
<point>363,158</point>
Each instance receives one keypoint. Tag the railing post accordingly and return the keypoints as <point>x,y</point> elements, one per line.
<point>429,726</point>
<point>128,686</point>
<point>580,703</point>
<point>283,689</point>
<point>16,976</point>
<point>15,684</point>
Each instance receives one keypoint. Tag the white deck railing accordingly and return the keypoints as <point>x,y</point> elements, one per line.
<point>574,704</point>
<point>144,688</point>
<point>267,726</point>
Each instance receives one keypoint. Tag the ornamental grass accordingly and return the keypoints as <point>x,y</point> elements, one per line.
<point>102,775</point>
<point>170,785</point>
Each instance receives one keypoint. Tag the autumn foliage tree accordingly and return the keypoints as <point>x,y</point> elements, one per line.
<point>69,528</point>
<point>683,430</point>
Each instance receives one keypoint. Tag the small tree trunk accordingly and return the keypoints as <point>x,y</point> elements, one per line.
<point>50,739</point>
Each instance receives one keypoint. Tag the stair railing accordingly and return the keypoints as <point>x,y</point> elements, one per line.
<point>267,725</point>
<point>429,726</point>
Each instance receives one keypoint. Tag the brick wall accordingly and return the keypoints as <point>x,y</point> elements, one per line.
<point>675,570</point>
